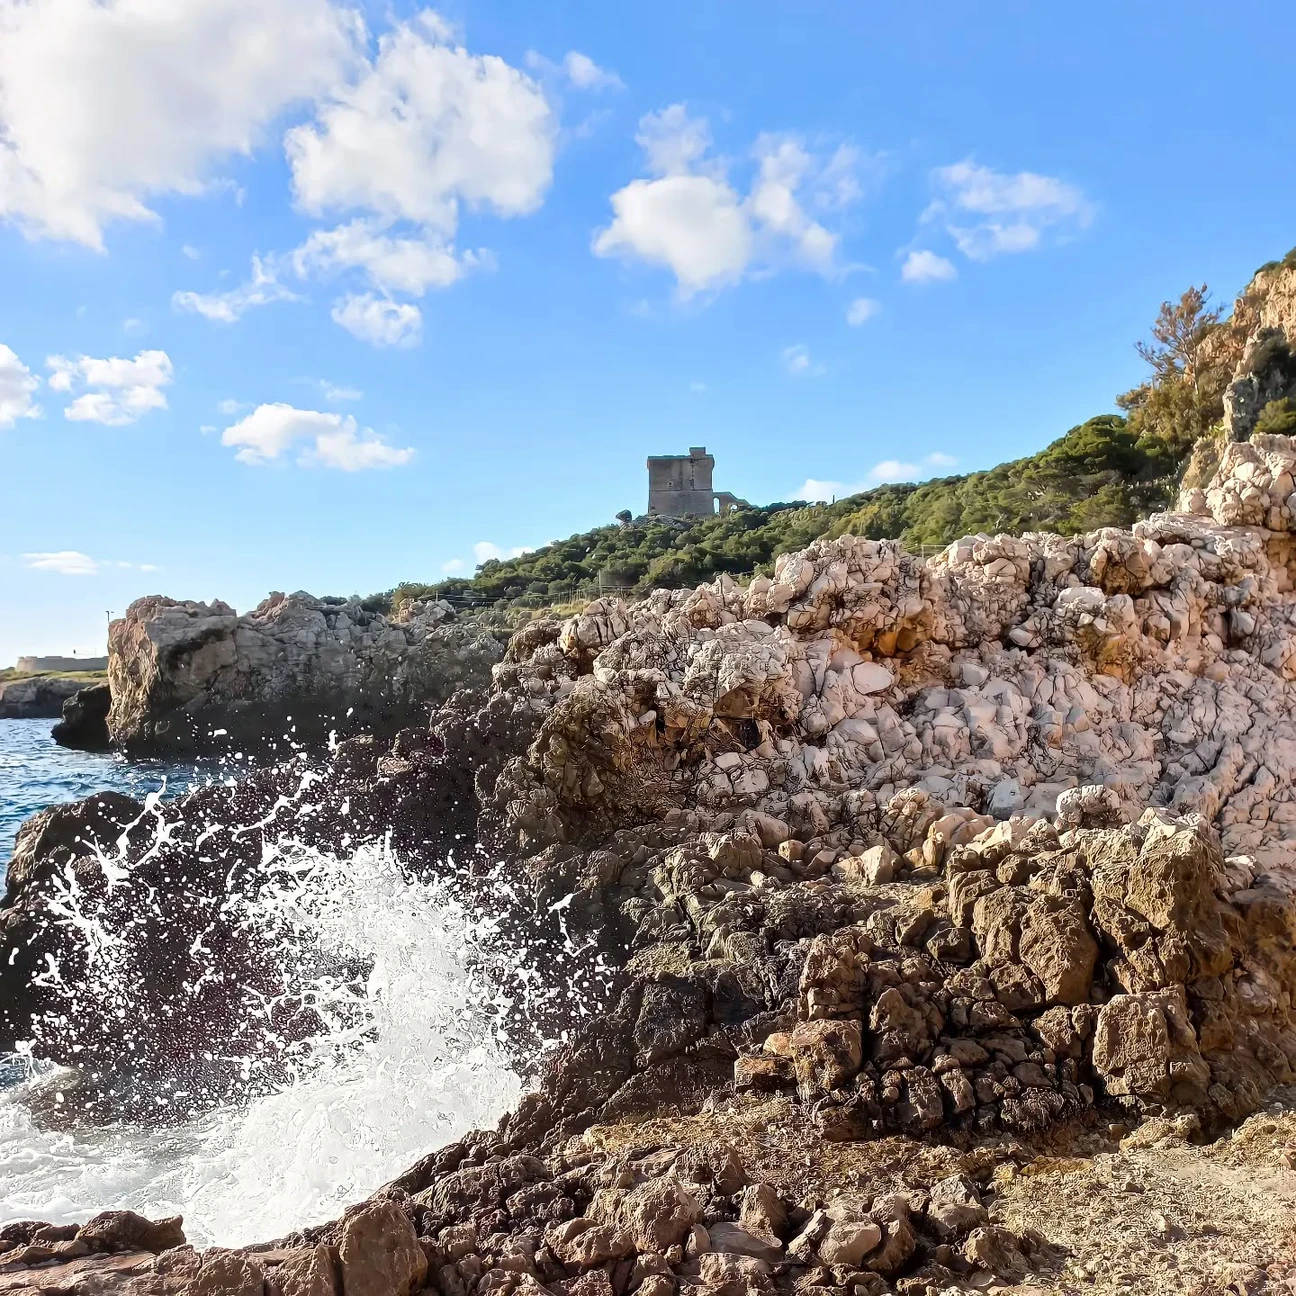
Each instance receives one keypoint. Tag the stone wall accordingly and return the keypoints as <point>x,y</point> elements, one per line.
<point>30,665</point>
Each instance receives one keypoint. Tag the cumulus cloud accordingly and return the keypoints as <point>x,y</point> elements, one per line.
<point>379,319</point>
<point>227,307</point>
<point>71,562</point>
<point>324,440</point>
<point>119,391</point>
<point>861,310</point>
<point>989,213</point>
<point>798,362</point>
<point>424,131</point>
<point>454,567</point>
<point>106,105</point>
<point>486,550</point>
<point>889,470</point>
<point>689,217</point>
<point>427,127</point>
<point>17,388</point>
<point>927,267</point>
<point>407,265</point>
<point>585,74</point>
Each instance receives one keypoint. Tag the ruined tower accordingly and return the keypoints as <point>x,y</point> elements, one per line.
<point>680,486</point>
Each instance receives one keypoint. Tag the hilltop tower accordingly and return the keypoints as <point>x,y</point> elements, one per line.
<point>681,486</point>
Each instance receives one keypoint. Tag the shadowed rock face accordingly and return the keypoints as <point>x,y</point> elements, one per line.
<point>36,699</point>
<point>84,723</point>
<point>188,676</point>
<point>988,849</point>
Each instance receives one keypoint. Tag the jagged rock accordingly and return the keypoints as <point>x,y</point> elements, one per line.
<point>687,787</point>
<point>41,697</point>
<point>379,1252</point>
<point>1145,1046</point>
<point>306,1271</point>
<point>127,1231</point>
<point>84,723</point>
<point>186,676</point>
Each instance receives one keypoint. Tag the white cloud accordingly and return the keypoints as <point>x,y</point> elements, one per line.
<point>427,127</point>
<point>425,130</point>
<point>691,224</point>
<point>70,562</point>
<point>335,395</point>
<point>408,265</point>
<point>231,406</point>
<point>379,320</point>
<point>17,387</point>
<point>327,440</point>
<point>120,390</point>
<point>889,470</point>
<point>486,550</point>
<point>225,308</point>
<point>690,218</point>
<point>814,490</point>
<point>104,105</point>
<point>797,361</point>
<point>350,452</point>
<point>786,168</point>
<point>927,267</point>
<point>455,567</point>
<point>861,310</point>
<point>585,74</point>
<point>1010,213</point>
<point>191,252</point>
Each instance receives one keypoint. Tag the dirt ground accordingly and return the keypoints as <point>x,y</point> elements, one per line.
<point>1142,1215</point>
<point>1170,1217</point>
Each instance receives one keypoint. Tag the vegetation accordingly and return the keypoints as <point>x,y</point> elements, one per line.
<point>1109,471</point>
<point>1184,396</point>
<point>1289,262</point>
<point>1099,474</point>
<point>1278,417</point>
<point>11,675</point>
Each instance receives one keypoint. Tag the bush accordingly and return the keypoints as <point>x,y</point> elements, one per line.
<point>1278,418</point>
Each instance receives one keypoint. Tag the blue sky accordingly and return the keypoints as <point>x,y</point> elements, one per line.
<point>304,296</point>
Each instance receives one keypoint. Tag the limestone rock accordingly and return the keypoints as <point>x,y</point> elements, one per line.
<point>379,1252</point>
<point>1145,1046</point>
<point>186,675</point>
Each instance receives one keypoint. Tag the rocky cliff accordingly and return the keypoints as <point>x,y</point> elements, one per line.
<point>914,877</point>
<point>36,698</point>
<point>186,676</point>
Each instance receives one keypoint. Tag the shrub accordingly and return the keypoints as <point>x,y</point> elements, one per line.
<point>1278,418</point>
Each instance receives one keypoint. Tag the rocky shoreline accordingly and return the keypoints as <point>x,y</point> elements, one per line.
<point>295,672</point>
<point>38,697</point>
<point>910,878</point>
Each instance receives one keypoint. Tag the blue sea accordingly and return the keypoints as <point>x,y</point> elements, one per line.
<point>36,772</point>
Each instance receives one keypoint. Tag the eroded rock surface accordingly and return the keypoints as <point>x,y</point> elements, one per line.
<point>187,675</point>
<point>971,858</point>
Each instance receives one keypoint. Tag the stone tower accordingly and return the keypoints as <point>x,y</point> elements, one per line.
<point>680,486</point>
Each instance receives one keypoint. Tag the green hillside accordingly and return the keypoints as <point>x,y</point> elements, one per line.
<point>1109,471</point>
<point>1099,474</point>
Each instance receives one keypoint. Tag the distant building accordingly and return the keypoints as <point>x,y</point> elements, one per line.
<point>680,486</point>
<point>31,665</point>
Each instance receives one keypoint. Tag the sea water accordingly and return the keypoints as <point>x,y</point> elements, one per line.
<point>407,1058</point>
<point>36,772</point>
